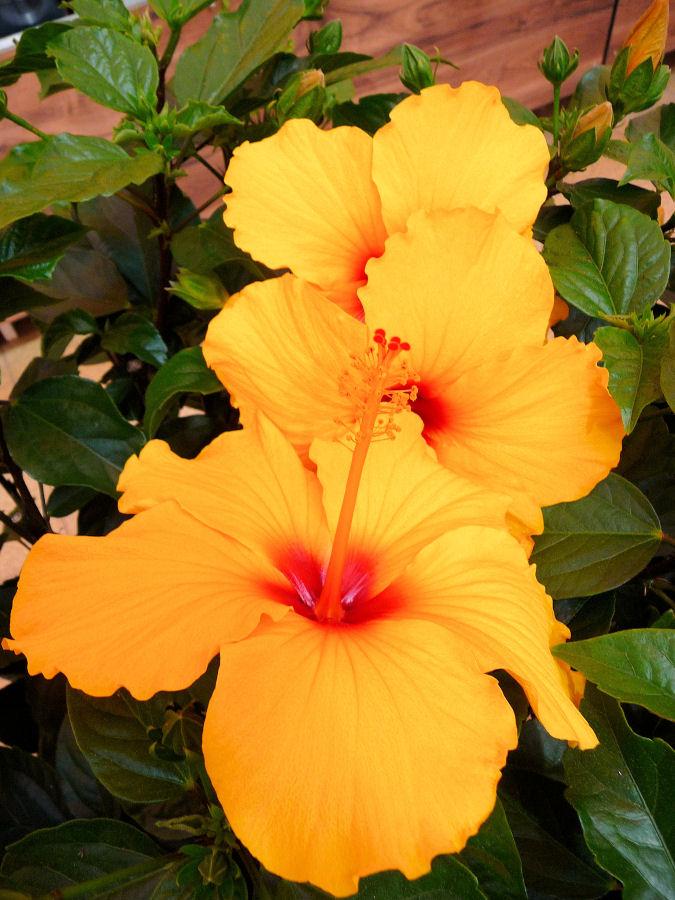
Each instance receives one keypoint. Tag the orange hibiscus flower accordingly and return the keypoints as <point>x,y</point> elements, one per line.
<point>472,298</point>
<point>353,727</point>
<point>322,203</point>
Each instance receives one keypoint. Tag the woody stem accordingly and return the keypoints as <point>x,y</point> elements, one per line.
<point>329,604</point>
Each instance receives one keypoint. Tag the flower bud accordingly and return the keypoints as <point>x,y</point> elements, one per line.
<point>599,118</point>
<point>327,40</point>
<point>302,97</point>
<point>584,140</point>
<point>647,37</point>
<point>556,64</point>
<point>416,73</point>
<point>199,291</point>
<point>636,80</point>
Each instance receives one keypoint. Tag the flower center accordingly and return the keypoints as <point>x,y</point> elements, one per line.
<point>381,385</point>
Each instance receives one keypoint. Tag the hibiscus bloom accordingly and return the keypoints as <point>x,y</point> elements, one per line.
<point>322,203</point>
<point>353,727</point>
<point>472,298</point>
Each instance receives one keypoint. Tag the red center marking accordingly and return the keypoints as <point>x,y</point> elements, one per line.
<point>306,574</point>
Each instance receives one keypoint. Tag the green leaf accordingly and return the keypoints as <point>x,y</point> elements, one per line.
<point>596,543</point>
<point>634,365</point>
<point>659,121</point>
<point>203,248</point>
<point>369,114</point>
<point>30,53</point>
<point>67,168</point>
<point>186,372</point>
<point>635,666</point>
<point>112,732</point>
<point>39,368</point>
<point>537,752</point>
<point>556,861</point>
<point>354,69</point>
<point>178,12</point>
<point>200,116</point>
<point>30,795</point>
<point>591,89</point>
<point>31,247</point>
<point>581,192</point>
<point>520,114</point>
<point>447,880</point>
<point>66,430</point>
<point>132,333</point>
<point>668,368</point>
<point>609,260</point>
<point>652,160</point>
<point>623,791</point>
<point>65,500</point>
<point>109,67</point>
<point>77,852</point>
<point>86,279</point>
<point>586,617</point>
<point>111,13</point>
<point>83,794</point>
<point>235,45</point>
<point>667,620</point>
<point>122,232</point>
<point>493,858</point>
<point>63,329</point>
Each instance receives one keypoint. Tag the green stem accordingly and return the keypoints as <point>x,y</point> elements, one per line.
<point>43,501</point>
<point>219,175</point>
<point>174,37</point>
<point>132,200</point>
<point>556,114</point>
<point>107,882</point>
<point>17,528</point>
<point>22,123</point>
<point>193,215</point>
<point>662,595</point>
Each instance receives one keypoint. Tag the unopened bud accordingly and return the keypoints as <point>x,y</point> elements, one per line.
<point>599,119</point>
<point>416,74</point>
<point>556,64</point>
<point>302,97</point>
<point>636,79</point>
<point>199,291</point>
<point>585,140</point>
<point>327,40</point>
<point>647,37</point>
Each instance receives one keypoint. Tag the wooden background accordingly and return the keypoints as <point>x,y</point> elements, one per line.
<point>495,41</point>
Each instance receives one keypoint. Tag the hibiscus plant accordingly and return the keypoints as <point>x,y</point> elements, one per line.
<point>352,510</point>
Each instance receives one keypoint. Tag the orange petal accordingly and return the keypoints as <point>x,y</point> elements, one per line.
<point>281,347</point>
<point>539,423</point>
<point>304,199</point>
<point>341,751</point>
<point>478,584</point>
<point>459,286</point>
<point>280,506</point>
<point>406,498</point>
<point>145,607</point>
<point>450,147</point>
